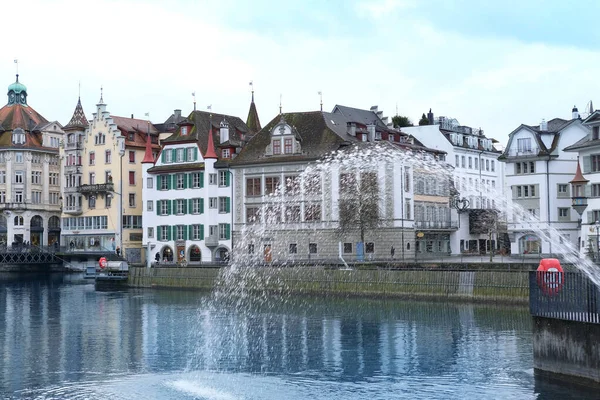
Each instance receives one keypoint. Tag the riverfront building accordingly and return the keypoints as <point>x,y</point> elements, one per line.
<point>477,173</point>
<point>108,211</point>
<point>540,163</point>
<point>29,173</point>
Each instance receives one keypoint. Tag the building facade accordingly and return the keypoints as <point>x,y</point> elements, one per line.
<point>538,175</point>
<point>29,173</point>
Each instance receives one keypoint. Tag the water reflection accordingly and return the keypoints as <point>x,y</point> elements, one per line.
<point>52,332</point>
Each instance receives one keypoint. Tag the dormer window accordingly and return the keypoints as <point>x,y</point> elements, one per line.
<point>184,130</point>
<point>226,153</point>
<point>276,146</point>
<point>130,136</point>
<point>595,132</point>
<point>18,136</point>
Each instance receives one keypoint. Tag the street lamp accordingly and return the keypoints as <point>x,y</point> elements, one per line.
<point>121,145</point>
<point>597,241</point>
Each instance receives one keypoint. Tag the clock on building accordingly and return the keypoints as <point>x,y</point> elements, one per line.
<point>23,98</point>
<point>11,98</point>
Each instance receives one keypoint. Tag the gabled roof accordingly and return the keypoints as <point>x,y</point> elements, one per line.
<point>365,117</point>
<point>78,120</point>
<point>140,129</point>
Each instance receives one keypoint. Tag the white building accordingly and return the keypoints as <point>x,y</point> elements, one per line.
<point>477,172</point>
<point>538,172</point>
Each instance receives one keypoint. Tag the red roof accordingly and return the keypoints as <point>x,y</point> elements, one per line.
<point>210,149</point>
<point>148,157</point>
<point>20,116</point>
<point>579,176</point>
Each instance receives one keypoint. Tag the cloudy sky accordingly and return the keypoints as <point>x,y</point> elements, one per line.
<point>492,65</point>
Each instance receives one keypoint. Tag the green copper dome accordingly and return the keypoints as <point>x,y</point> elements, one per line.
<point>17,87</point>
<point>17,93</point>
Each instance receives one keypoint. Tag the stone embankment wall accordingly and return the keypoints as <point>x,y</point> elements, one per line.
<point>567,348</point>
<point>471,285</point>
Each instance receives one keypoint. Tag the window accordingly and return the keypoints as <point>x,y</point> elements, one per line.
<point>470,162</point>
<point>165,207</point>
<point>212,179</point>
<point>163,232</point>
<point>519,191</point>
<point>223,178</point>
<point>457,161</point>
<point>3,177</point>
<point>476,163</point>
<point>212,202</point>
<point>132,222</point>
<point>271,184</point>
<point>293,249</point>
<point>250,248</point>
<point>131,199</point>
<point>36,197</point>
<point>190,154</point>
<point>253,187</point>
<point>312,212</point>
<point>463,161</point>
<point>100,138</point>
<point>19,157</point>
<point>184,130</point>
<point>180,181</point>
<point>347,248</point>
<point>150,232</point>
<point>92,178</point>
<point>224,204</point>
<point>131,178</point>
<point>18,221</point>
<point>524,145</point>
<point>197,206</point>
<point>107,176</point>
<point>531,167</point>
<point>197,232</point>
<point>19,177</point>
<point>563,213</point>
<point>164,181</point>
<point>252,215</point>
<point>407,179</point>
<point>2,196</point>
<point>53,178</point>
<point>92,202</point>
<point>312,184</point>
<point>107,201</point>
<point>370,247</point>
<point>168,156</point>
<point>224,231</point>
<point>277,146</point>
<point>287,146</point>
<point>595,158</point>
<point>197,180</point>
<point>292,186</point>
<point>312,248</point>
<point>487,165</point>
<point>292,214</point>
<point>131,157</point>
<point>226,153</point>
<point>107,157</point>
<point>92,158</point>
<point>149,205</point>
<point>149,182</point>
<point>36,177</point>
<point>180,206</point>
<point>180,232</point>
<point>18,136</point>
<point>493,166</point>
<point>518,168</point>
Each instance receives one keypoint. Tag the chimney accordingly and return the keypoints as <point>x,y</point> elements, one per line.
<point>351,128</point>
<point>371,135</point>
<point>224,131</point>
<point>575,113</point>
<point>177,114</point>
<point>131,116</point>
<point>430,117</point>
<point>544,126</point>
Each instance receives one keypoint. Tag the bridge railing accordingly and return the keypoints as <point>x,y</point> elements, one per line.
<point>570,296</point>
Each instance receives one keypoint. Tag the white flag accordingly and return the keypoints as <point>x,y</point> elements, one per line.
<point>209,107</point>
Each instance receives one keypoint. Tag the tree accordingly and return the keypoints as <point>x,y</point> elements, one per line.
<point>424,120</point>
<point>400,121</point>
<point>359,203</point>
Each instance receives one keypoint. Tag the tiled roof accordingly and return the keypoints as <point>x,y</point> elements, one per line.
<point>176,167</point>
<point>252,121</point>
<point>25,117</point>
<point>78,120</point>
<point>364,117</point>
<point>140,129</point>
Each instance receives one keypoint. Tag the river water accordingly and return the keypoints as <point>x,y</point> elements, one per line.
<point>62,339</point>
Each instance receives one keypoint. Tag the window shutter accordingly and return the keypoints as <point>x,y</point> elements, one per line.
<point>201,232</point>
<point>190,230</point>
<point>168,206</point>
<point>228,204</point>
<point>191,180</point>
<point>590,217</point>
<point>174,155</point>
<point>185,154</point>
<point>227,231</point>
<point>195,153</point>
<point>185,211</point>
<point>185,232</point>
<point>168,228</point>
<point>226,178</point>
<point>190,206</point>
<point>159,232</point>
<point>201,179</point>
<point>587,164</point>
<point>158,182</point>
<point>162,157</point>
<point>201,206</point>
<point>158,212</point>
<point>185,180</point>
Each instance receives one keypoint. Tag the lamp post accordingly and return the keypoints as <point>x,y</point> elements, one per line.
<point>121,145</point>
<point>597,241</point>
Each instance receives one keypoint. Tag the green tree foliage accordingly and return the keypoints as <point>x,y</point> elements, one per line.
<point>359,203</point>
<point>424,120</point>
<point>400,121</point>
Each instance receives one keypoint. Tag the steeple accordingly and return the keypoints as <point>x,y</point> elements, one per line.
<point>210,148</point>
<point>252,121</point>
<point>148,157</point>
<point>17,93</point>
<point>78,120</point>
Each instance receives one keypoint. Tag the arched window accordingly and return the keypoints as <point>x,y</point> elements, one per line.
<point>167,254</point>
<point>18,221</point>
<point>195,254</point>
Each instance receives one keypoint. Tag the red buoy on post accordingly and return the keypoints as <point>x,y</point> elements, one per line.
<point>102,262</point>
<point>550,276</point>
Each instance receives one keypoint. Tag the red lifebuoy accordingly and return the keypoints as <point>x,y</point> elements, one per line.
<point>550,276</point>
<point>102,262</point>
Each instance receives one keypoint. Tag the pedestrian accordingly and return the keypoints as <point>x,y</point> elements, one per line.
<point>157,257</point>
<point>118,251</point>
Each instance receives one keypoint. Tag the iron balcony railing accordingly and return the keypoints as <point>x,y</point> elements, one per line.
<point>526,152</point>
<point>97,188</point>
<point>436,224</point>
<point>570,296</point>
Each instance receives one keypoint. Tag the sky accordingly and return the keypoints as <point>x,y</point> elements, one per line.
<point>490,65</point>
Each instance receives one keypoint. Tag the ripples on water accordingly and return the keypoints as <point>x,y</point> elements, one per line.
<point>67,341</point>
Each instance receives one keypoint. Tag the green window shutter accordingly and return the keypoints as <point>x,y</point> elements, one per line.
<point>185,210</point>
<point>587,164</point>
<point>168,178</point>
<point>195,153</point>
<point>174,155</point>
<point>185,180</point>
<point>158,207</point>
<point>159,232</point>
<point>162,157</point>
<point>590,217</point>
<point>191,180</point>
<point>201,179</point>
<point>169,236</point>
<point>185,154</point>
<point>190,230</point>
<point>201,232</point>
<point>227,231</point>
<point>228,204</point>
<point>185,233</point>
<point>190,206</point>
<point>169,209</point>
<point>227,177</point>
<point>158,182</point>
<point>201,206</point>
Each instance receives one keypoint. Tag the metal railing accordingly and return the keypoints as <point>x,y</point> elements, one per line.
<point>436,224</point>
<point>570,296</point>
<point>531,152</point>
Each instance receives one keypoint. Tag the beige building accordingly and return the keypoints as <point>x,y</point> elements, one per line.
<point>111,187</point>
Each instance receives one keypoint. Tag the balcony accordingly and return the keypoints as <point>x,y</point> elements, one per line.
<point>450,225</point>
<point>211,241</point>
<point>522,153</point>
<point>73,210</point>
<point>102,188</point>
<point>72,169</point>
<point>74,146</point>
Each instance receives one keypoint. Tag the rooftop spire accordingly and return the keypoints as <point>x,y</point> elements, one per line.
<point>210,148</point>
<point>252,121</point>
<point>578,175</point>
<point>101,96</point>
<point>321,97</point>
<point>78,120</point>
<point>252,88</point>
<point>148,157</point>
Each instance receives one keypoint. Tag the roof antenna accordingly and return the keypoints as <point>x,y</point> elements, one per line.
<point>252,88</point>
<point>101,95</point>
<point>321,96</point>
<point>194,96</point>
<point>17,68</point>
<point>280,106</point>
